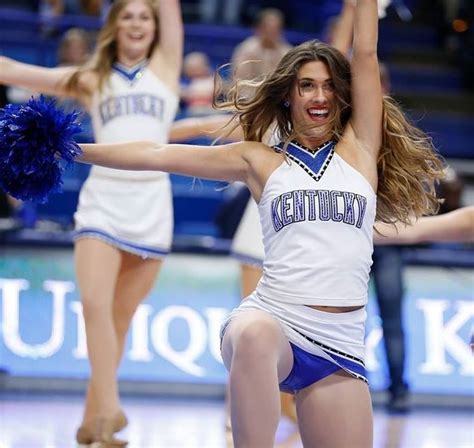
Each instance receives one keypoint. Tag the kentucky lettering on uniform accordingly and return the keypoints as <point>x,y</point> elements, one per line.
<point>133,104</point>
<point>323,205</point>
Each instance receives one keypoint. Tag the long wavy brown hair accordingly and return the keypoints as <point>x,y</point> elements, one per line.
<point>105,53</point>
<point>408,165</point>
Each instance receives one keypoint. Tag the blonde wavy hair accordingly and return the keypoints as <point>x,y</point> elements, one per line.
<point>105,53</point>
<point>408,165</point>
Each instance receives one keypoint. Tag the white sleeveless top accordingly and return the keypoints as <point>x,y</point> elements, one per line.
<point>134,104</point>
<point>317,214</point>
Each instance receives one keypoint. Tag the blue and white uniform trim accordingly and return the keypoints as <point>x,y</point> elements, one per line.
<point>322,343</point>
<point>136,249</point>
<point>309,368</point>
<point>314,162</point>
<point>332,351</point>
<point>131,74</point>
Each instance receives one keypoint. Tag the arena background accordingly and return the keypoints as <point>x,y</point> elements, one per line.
<point>173,348</point>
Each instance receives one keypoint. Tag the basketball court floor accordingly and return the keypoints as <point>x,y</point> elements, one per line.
<point>49,421</point>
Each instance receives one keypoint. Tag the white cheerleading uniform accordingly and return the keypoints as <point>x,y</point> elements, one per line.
<point>131,210</point>
<point>317,214</point>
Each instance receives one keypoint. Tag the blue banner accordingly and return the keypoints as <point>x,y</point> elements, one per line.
<point>175,332</point>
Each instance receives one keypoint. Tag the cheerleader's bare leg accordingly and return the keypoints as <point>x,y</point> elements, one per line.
<point>135,280</point>
<point>258,356</point>
<point>97,270</point>
<point>335,412</point>
<point>249,277</point>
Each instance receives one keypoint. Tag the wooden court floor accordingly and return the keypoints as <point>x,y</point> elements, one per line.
<point>49,421</point>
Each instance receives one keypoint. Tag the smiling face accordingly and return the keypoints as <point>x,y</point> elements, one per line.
<point>135,31</point>
<point>312,103</point>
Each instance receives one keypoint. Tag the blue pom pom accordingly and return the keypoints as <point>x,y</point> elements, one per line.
<point>35,141</point>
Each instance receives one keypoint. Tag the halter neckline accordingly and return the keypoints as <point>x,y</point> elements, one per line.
<point>130,73</point>
<point>312,150</point>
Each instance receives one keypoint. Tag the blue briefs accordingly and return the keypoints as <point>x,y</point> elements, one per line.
<point>308,369</point>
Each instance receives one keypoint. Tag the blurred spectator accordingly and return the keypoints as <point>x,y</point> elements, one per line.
<point>74,48</point>
<point>221,11</point>
<point>198,89</point>
<point>92,8</point>
<point>50,9</point>
<point>265,48</point>
<point>51,12</point>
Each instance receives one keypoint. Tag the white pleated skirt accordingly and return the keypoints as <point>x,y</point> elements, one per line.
<point>135,215</point>
<point>336,337</point>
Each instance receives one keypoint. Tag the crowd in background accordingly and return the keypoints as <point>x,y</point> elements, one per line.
<point>453,19</point>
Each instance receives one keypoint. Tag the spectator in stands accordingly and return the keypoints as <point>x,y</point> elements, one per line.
<point>220,11</point>
<point>52,11</point>
<point>198,89</point>
<point>264,48</point>
<point>91,8</point>
<point>74,51</point>
<point>74,48</point>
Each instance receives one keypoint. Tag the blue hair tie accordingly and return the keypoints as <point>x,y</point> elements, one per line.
<point>35,140</point>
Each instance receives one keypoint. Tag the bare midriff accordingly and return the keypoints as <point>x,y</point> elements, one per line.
<point>335,309</point>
